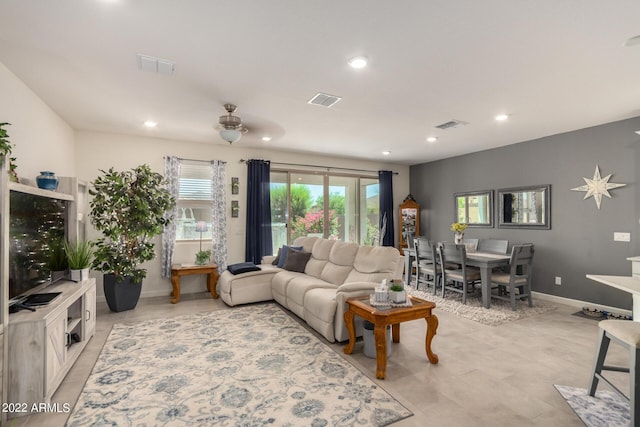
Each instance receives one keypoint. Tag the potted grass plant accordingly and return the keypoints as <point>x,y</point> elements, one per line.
<point>79,256</point>
<point>129,208</point>
<point>57,259</point>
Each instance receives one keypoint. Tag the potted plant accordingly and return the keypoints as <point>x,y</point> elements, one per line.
<point>57,259</point>
<point>5,151</point>
<point>79,256</point>
<point>129,208</point>
<point>397,293</point>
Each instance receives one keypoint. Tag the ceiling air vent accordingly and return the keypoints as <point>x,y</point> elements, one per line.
<point>324,99</point>
<point>451,124</point>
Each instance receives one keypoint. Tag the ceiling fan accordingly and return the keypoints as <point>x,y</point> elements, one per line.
<point>230,126</point>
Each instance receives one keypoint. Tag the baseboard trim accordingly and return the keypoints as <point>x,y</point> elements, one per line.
<point>579,304</point>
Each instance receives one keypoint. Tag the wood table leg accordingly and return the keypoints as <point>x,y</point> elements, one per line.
<point>395,332</point>
<point>348,322</point>
<point>432,326</point>
<point>175,282</point>
<point>380,335</point>
<point>212,279</point>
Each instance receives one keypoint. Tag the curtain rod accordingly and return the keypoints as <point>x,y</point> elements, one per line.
<point>198,160</point>
<point>328,168</point>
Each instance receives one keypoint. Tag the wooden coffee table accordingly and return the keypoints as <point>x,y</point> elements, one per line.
<point>178,270</point>
<point>383,316</point>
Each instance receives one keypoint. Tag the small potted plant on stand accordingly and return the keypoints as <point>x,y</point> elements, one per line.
<point>129,208</point>
<point>397,293</point>
<point>79,255</point>
<point>202,257</point>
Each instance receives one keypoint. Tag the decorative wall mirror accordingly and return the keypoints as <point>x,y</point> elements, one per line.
<point>525,207</point>
<point>474,208</point>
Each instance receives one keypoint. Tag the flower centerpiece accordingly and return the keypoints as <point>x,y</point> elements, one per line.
<point>458,228</point>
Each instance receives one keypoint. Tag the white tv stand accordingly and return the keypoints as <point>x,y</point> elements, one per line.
<point>41,349</point>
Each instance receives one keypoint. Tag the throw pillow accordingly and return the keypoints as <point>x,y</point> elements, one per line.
<point>296,260</point>
<point>285,251</point>
<point>242,267</point>
<point>277,259</point>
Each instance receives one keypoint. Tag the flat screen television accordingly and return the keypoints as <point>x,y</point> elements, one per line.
<point>35,222</point>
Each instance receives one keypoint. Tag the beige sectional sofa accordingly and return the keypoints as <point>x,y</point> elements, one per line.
<point>335,272</point>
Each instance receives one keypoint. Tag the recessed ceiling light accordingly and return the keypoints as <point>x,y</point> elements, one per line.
<point>386,153</point>
<point>432,139</point>
<point>266,138</point>
<point>358,62</point>
<point>638,132</point>
<point>501,117</point>
<point>633,41</point>
<point>150,124</point>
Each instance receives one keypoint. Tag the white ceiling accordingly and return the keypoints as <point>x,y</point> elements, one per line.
<point>553,65</point>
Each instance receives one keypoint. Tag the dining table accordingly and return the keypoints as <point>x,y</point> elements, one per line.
<point>484,261</point>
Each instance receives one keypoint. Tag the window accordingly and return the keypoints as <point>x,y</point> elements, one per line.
<point>475,208</point>
<point>194,201</point>
<point>325,205</point>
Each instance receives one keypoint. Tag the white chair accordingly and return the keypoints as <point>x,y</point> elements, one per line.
<point>518,278</point>
<point>627,334</point>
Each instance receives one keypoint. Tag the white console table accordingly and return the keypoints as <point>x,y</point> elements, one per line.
<point>629,284</point>
<point>635,266</point>
<point>41,346</point>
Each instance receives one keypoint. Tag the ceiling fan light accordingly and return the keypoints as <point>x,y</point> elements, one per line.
<point>230,135</point>
<point>358,62</point>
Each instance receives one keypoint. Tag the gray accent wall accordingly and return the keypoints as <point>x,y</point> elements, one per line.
<point>580,240</point>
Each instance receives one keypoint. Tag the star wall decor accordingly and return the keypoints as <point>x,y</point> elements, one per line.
<point>598,187</point>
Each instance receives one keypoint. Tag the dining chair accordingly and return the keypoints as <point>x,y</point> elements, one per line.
<point>518,277</point>
<point>426,263</point>
<point>493,245</point>
<point>471,244</point>
<point>462,278</point>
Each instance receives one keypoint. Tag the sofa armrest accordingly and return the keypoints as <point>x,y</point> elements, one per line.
<point>268,259</point>
<point>357,286</point>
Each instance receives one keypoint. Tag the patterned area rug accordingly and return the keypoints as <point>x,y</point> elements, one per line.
<point>499,313</point>
<point>249,366</point>
<point>605,409</point>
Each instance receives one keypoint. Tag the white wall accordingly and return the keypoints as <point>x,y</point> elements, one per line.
<point>101,151</point>
<point>42,140</point>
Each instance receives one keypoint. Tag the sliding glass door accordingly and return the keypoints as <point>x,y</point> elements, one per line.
<point>319,204</point>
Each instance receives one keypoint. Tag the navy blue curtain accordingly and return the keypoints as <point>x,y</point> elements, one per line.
<point>385,179</point>
<point>258,241</point>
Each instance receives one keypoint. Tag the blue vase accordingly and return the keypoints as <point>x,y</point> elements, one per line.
<point>47,181</point>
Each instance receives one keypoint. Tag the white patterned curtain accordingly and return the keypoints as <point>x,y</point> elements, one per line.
<point>219,214</point>
<point>172,175</point>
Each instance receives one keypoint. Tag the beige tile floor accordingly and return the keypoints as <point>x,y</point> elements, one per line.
<point>487,375</point>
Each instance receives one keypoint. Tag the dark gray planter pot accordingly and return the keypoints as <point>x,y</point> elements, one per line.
<point>123,295</point>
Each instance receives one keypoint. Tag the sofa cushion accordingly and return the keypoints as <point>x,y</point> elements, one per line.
<point>296,260</point>
<point>319,257</point>
<point>340,263</point>
<point>277,258</point>
<point>376,259</point>
<point>283,254</point>
<point>307,242</point>
<point>242,267</point>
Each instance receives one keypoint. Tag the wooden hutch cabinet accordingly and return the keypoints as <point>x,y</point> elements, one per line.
<point>409,220</point>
